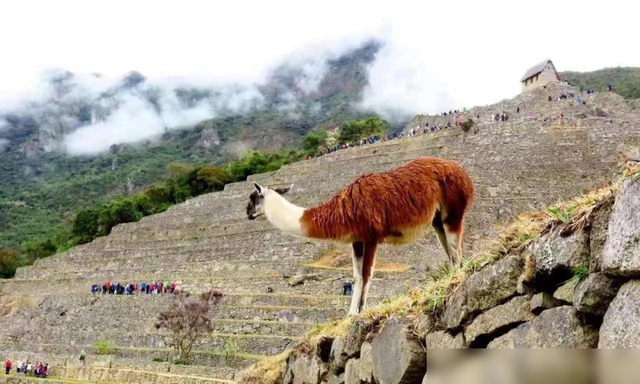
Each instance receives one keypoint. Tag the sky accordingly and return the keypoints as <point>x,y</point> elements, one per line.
<point>436,55</point>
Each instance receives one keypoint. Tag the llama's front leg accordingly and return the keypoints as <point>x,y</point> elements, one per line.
<point>358,261</point>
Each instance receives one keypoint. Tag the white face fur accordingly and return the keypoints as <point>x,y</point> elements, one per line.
<point>255,208</point>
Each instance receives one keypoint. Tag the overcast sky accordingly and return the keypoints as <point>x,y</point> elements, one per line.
<point>438,54</point>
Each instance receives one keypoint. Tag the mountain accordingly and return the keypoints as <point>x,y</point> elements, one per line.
<point>625,80</point>
<point>42,184</point>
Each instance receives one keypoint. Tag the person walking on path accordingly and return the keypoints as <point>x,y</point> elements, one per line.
<point>83,356</point>
<point>7,366</point>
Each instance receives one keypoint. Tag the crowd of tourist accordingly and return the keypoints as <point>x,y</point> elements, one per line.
<point>458,121</point>
<point>114,288</point>
<point>39,369</point>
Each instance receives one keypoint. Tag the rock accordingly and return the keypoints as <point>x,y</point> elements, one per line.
<point>337,358</point>
<point>444,340</point>
<point>621,250</point>
<point>497,319</point>
<point>358,332</point>
<point>543,301</point>
<point>345,348</point>
<point>483,290</point>
<point>555,328</point>
<point>566,291</point>
<point>306,370</point>
<point>397,355</point>
<point>352,372</point>
<point>336,379</point>
<point>286,316</point>
<point>555,253</point>
<point>366,363</point>
<point>598,237</point>
<point>594,294</point>
<point>621,324</point>
<point>424,324</point>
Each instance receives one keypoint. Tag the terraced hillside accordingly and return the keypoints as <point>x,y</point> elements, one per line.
<point>207,242</point>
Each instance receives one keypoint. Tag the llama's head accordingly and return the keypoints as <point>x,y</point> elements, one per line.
<point>255,208</point>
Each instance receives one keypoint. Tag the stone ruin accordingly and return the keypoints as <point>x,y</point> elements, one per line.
<point>273,292</point>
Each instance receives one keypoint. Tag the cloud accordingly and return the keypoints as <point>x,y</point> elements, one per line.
<point>146,113</point>
<point>3,144</point>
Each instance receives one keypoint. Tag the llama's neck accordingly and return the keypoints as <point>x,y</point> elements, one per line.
<point>283,214</point>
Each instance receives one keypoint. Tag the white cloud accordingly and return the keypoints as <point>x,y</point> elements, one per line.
<point>3,144</point>
<point>437,55</point>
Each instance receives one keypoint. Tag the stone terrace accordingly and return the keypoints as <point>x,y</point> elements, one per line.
<point>207,242</point>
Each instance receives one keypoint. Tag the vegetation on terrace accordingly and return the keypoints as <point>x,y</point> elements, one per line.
<point>431,297</point>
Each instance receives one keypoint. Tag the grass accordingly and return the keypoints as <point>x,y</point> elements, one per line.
<point>267,371</point>
<point>431,297</point>
<point>104,347</point>
<point>340,259</point>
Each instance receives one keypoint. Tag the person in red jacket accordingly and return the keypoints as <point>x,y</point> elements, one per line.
<point>7,365</point>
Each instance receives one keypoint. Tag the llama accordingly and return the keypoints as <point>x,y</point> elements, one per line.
<point>394,207</point>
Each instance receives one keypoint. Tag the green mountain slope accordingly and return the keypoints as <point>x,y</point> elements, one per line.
<point>40,190</point>
<point>625,80</point>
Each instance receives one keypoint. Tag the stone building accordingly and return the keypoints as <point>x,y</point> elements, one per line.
<point>540,74</point>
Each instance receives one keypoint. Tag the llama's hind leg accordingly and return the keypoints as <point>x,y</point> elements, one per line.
<point>358,263</point>
<point>438,226</point>
<point>369,260</point>
<point>453,228</point>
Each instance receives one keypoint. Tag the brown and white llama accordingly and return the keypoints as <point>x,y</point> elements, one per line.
<point>393,207</point>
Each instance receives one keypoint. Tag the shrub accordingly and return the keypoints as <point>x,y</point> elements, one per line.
<point>356,130</point>
<point>187,321</point>
<point>313,141</point>
<point>9,262</point>
<point>467,125</point>
<point>103,347</point>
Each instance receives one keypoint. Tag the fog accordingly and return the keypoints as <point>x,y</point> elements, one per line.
<point>435,55</point>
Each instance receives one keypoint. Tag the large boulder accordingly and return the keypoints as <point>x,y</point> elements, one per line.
<point>397,355</point>
<point>306,370</point>
<point>566,292</point>
<point>542,301</point>
<point>621,324</point>
<point>497,319</point>
<point>556,253</point>
<point>366,363</point>
<point>555,328</point>
<point>483,290</point>
<point>345,348</point>
<point>621,250</point>
<point>598,236</point>
<point>352,372</point>
<point>594,293</point>
<point>444,340</point>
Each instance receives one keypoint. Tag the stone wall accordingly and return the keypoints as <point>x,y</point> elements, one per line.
<point>574,287</point>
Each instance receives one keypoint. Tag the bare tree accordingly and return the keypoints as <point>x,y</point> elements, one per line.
<point>187,321</point>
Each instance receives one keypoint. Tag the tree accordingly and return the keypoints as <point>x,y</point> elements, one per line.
<point>313,140</point>
<point>9,261</point>
<point>356,130</point>
<point>207,179</point>
<point>187,321</point>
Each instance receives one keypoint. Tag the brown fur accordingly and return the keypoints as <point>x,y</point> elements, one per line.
<point>395,206</point>
<point>382,205</point>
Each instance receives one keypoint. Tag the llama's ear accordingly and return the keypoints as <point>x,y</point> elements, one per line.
<point>284,190</point>
<point>258,188</point>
